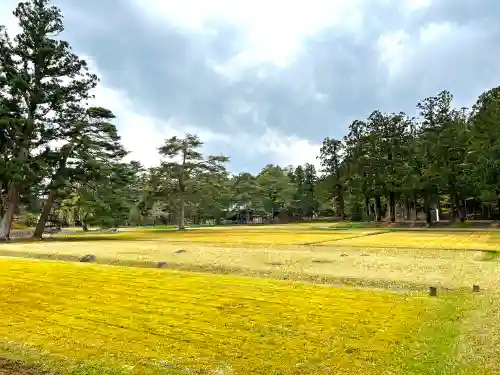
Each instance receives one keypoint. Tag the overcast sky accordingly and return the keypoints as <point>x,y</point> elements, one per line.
<point>266,81</point>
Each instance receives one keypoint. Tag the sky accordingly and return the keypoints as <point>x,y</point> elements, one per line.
<point>266,81</point>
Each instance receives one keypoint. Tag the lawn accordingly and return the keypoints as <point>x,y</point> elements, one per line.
<point>214,319</point>
<point>466,240</point>
<point>273,235</point>
<point>156,321</point>
<point>412,260</point>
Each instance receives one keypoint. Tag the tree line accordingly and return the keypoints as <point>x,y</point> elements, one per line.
<point>444,157</point>
<point>62,160</point>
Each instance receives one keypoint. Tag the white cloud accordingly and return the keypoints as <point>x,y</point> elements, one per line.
<point>288,149</point>
<point>274,30</point>
<point>450,34</point>
<point>142,134</point>
<point>398,49</point>
<point>414,5</point>
<point>393,50</point>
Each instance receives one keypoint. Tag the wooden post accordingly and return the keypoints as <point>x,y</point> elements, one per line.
<point>475,288</point>
<point>432,291</point>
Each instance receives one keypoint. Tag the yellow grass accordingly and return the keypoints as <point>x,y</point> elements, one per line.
<point>149,320</point>
<point>250,236</point>
<point>429,240</point>
<point>311,234</point>
<point>479,342</point>
<point>336,260</point>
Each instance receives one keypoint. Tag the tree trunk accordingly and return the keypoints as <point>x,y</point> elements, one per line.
<point>392,207</point>
<point>367,208</point>
<point>378,208</point>
<point>8,217</point>
<point>427,208</point>
<point>454,201</point>
<point>414,210</point>
<point>52,192</point>
<point>45,214</point>
<point>85,228</point>
<point>340,194</point>
<point>407,209</point>
<point>181,212</point>
<point>461,210</point>
<point>2,205</point>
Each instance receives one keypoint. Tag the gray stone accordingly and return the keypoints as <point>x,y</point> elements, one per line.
<point>181,251</point>
<point>162,265</point>
<point>343,254</point>
<point>88,258</point>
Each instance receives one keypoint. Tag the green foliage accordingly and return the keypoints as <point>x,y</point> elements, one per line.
<point>331,155</point>
<point>186,171</point>
<point>277,190</point>
<point>444,155</point>
<point>40,81</point>
<point>27,219</point>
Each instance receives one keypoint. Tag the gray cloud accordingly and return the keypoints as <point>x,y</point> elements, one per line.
<point>169,72</point>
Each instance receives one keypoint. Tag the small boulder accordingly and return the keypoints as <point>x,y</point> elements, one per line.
<point>161,265</point>
<point>365,255</point>
<point>181,251</point>
<point>88,258</point>
<point>343,254</point>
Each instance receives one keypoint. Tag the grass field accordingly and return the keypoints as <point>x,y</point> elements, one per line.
<point>359,257</point>
<point>95,319</point>
<point>137,317</point>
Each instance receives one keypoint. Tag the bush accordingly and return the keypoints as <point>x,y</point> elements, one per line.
<point>27,219</point>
